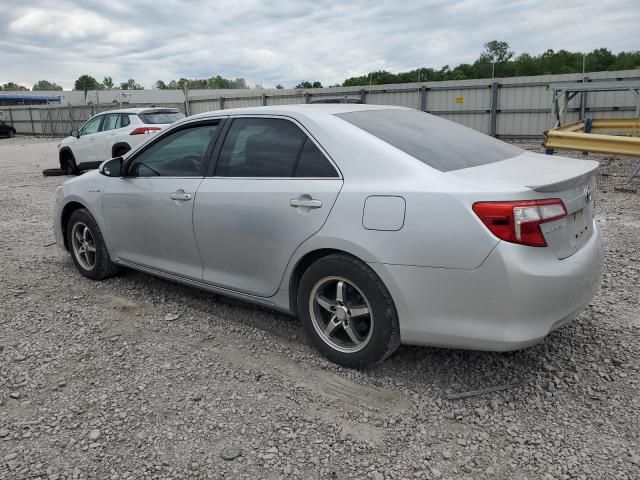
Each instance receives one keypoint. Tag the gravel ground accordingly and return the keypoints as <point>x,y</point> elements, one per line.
<point>135,377</point>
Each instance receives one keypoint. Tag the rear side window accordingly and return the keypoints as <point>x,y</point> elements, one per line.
<point>313,163</point>
<point>160,117</point>
<point>439,143</point>
<point>260,147</point>
<point>123,121</point>
<point>110,122</point>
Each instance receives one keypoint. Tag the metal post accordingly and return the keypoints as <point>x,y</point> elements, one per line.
<point>306,97</point>
<point>33,129</point>
<point>363,96</point>
<point>11,118</point>
<point>264,99</point>
<point>187,106</point>
<point>494,109</point>
<point>423,98</point>
<point>221,100</point>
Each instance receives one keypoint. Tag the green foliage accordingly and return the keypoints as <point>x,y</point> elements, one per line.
<point>508,65</point>
<point>11,87</point>
<point>131,85</point>
<point>309,85</point>
<point>279,86</point>
<point>107,83</point>
<point>202,83</point>
<point>86,82</point>
<point>44,85</point>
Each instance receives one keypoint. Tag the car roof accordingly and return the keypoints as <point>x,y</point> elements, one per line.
<point>139,110</point>
<point>296,109</point>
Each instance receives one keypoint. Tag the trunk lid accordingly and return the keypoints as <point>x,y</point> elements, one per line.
<point>547,176</point>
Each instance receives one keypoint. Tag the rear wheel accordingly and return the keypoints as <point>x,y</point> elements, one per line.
<point>87,246</point>
<point>12,133</point>
<point>347,312</point>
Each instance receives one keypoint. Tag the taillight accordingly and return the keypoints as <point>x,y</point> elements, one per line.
<point>143,130</point>
<point>519,221</point>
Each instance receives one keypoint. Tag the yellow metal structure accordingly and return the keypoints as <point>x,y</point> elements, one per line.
<point>572,136</point>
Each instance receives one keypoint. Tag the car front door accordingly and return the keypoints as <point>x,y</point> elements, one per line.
<point>87,148</point>
<point>148,212</point>
<point>271,188</point>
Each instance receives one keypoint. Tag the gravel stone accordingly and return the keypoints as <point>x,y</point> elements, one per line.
<point>230,453</point>
<point>128,357</point>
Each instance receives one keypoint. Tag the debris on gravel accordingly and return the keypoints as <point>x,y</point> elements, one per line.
<point>135,377</point>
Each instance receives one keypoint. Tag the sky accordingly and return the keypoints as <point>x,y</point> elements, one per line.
<point>288,41</point>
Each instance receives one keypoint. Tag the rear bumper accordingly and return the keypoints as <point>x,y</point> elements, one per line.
<point>514,299</point>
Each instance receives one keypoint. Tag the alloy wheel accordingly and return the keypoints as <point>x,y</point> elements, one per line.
<point>84,247</point>
<point>341,314</point>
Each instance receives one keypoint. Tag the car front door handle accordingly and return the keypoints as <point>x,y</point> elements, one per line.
<point>306,202</point>
<point>180,195</point>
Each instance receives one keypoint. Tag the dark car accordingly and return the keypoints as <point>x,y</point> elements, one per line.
<point>7,130</point>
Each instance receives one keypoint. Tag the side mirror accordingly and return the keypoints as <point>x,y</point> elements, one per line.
<point>111,168</point>
<point>75,133</point>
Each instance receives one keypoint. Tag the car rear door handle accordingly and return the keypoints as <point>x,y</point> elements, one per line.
<point>305,201</point>
<point>180,195</point>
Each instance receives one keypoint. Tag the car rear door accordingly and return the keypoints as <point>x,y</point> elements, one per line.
<point>271,188</point>
<point>149,211</point>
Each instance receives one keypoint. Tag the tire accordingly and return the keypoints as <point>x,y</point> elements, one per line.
<point>337,324</point>
<point>12,133</point>
<point>53,172</point>
<point>96,265</point>
<point>68,163</point>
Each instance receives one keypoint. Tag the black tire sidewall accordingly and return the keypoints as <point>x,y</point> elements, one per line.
<point>68,164</point>
<point>102,256</point>
<point>385,337</point>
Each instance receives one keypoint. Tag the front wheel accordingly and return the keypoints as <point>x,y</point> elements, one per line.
<point>87,246</point>
<point>347,312</point>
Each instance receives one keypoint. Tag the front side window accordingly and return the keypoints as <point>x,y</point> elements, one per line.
<point>179,154</point>
<point>260,147</point>
<point>92,126</point>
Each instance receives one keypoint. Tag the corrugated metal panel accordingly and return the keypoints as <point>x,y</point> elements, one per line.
<point>522,106</point>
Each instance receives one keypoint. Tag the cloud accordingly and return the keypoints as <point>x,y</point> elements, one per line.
<point>290,40</point>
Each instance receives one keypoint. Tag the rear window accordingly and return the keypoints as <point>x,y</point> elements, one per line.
<point>441,144</point>
<point>160,117</point>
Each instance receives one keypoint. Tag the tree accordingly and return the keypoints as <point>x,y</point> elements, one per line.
<point>107,83</point>
<point>86,82</point>
<point>11,86</point>
<point>130,85</point>
<point>160,85</point>
<point>309,85</point>
<point>44,85</point>
<point>279,86</point>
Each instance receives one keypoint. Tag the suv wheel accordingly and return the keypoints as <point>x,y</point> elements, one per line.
<point>68,163</point>
<point>347,312</point>
<point>87,247</point>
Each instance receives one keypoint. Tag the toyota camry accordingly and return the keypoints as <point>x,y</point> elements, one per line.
<point>375,225</point>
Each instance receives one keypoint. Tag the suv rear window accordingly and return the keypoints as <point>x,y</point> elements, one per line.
<point>160,117</point>
<point>440,143</point>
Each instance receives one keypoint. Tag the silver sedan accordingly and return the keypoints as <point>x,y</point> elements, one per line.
<point>375,225</point>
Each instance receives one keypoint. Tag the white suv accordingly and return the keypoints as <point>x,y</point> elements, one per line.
<point>111,134</point>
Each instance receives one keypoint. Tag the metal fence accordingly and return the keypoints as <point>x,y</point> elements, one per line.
<point>56,121</point>
<point>517,107</point>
